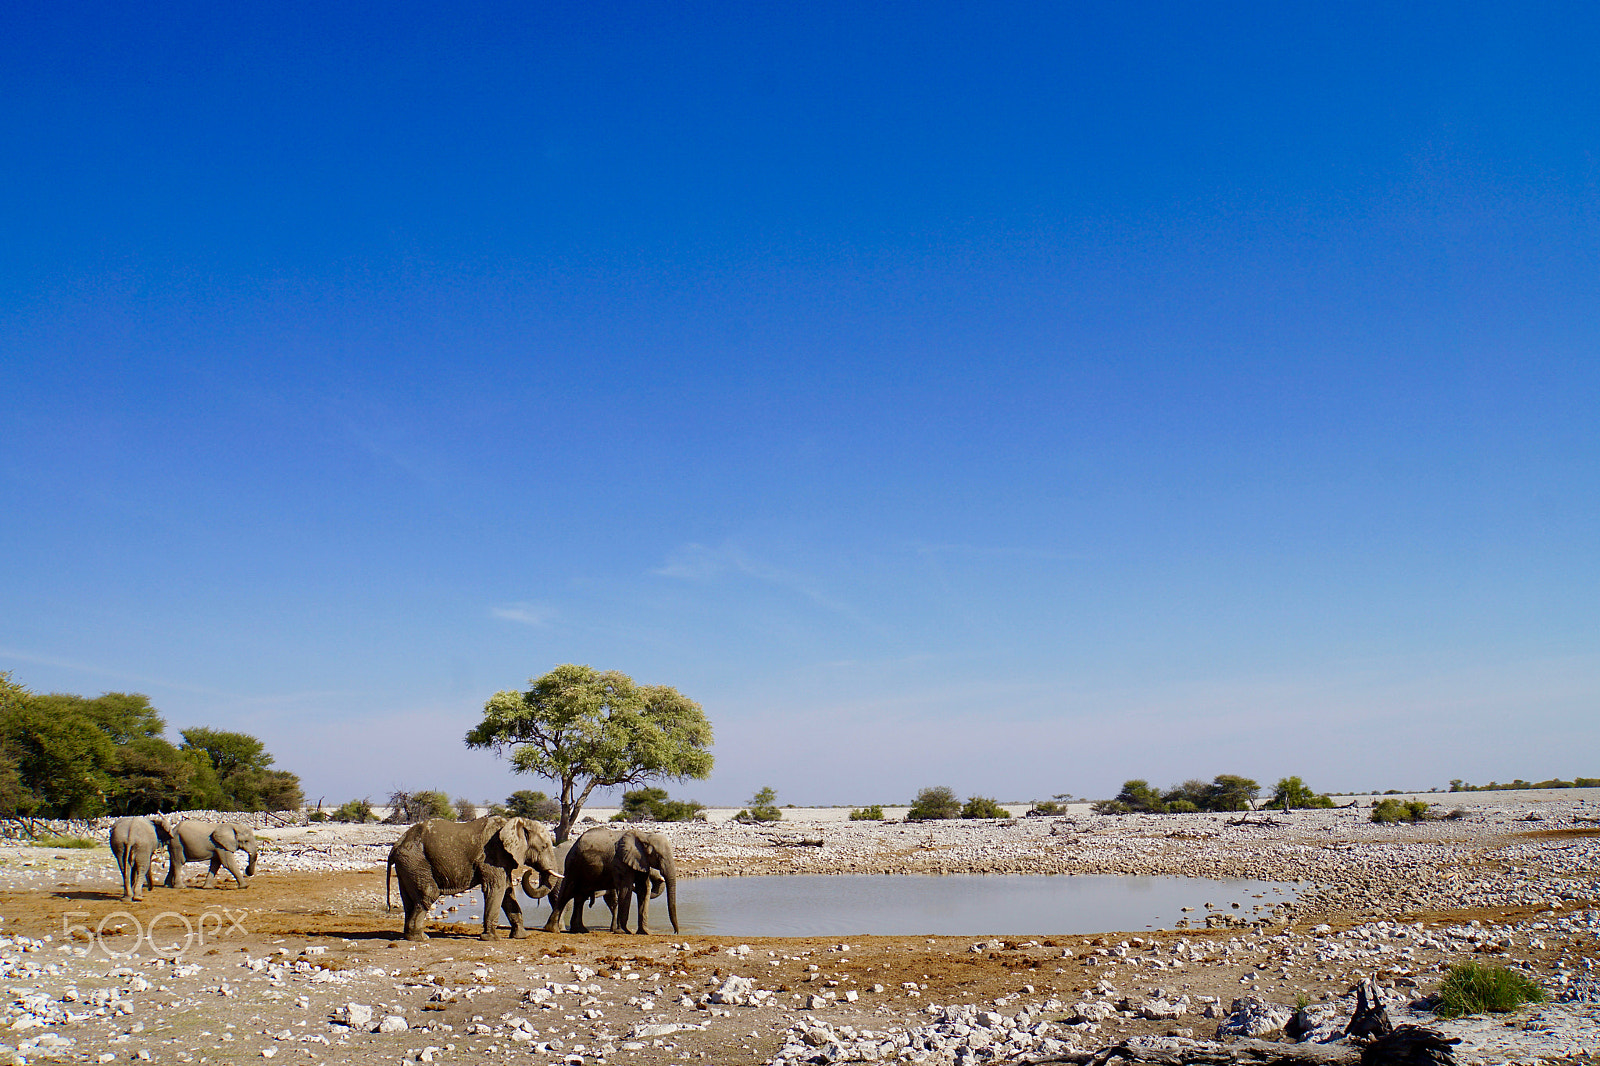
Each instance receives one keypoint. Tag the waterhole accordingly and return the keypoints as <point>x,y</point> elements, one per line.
<point>955,905</point>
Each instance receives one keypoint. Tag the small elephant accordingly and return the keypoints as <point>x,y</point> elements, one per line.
<point>213,842</point>
<point>658,883</point>
<point>134,841</point>
<point>440,857</point>
<point>617,864</point>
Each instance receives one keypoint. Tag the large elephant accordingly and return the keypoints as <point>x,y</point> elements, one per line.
<point>213,842</point>
<point>618,864</point>
<point>133,842</point>
<point>439,857</point>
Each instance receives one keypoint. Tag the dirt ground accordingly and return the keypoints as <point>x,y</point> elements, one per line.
<point>261,972</point>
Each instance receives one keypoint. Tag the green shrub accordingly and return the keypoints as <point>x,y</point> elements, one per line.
<point>1137,795</point>
<point>1110,807</point>
<point>873,813</point>
<point>528,803</point>
<point>652,805</point>
<point>317,816</point>
<point>1291,793</point>
<point>934,803</point>
<point>1182,806</point>
<point>763,808</point>
<point>1474,988</point>
<point>355,811</point>
<point>1048,807</point>
<point>66,842</point>
<point>466,810</point>
<point>983,807</point>
<point>1393,810</point>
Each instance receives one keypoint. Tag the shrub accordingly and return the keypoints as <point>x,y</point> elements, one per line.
<point>1137,795</point>
<point>526,803</point>
<point>763,808</point>
<point>983,807</point>
<point>934,803</point>
<point>466,810</point>
<point>873,813</point>
<point>1110,807</point>
<point>1046,808</point>
<point>1291,793</point>
<point>1182,806</point>
<point>355,811</point>
<point>1393,810</point>
<point>65,842</point>
<point>419,806</point>
<point>317,816</point>
<point>1474,988</point>
<point>652,805</point>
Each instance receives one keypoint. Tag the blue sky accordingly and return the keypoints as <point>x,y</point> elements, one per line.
<point>1020,399</point>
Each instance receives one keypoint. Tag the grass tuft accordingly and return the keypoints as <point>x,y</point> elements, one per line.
<point>1473,988</point>
<point>66,842</point>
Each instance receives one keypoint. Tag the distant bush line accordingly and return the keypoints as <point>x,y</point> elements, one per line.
<point>1459,785</point>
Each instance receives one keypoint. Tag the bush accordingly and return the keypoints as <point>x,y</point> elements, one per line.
<point>763,808</point>
<point>1110,807</point>
<point>419,806</point>
<point>1474,988</point>
<point>355,811</point>
<point>934,803</point>
<point>527,803</point>
<point>466,810</point>
<point>1137,795</point>
<point>1182,806</point>
<point>317,816</point>
<point>983,807</point>
<point>873,813</point>
<point>1046,808</point>
<point>1393,810</point>
<point>652,805</point>
<point>1291,793</point>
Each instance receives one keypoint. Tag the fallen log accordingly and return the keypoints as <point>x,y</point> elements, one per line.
<point>1409,1045</point>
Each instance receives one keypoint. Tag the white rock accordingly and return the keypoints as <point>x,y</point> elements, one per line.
<point>393,1023</point>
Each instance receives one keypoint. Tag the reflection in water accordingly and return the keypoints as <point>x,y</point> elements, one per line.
<point>957,905</point>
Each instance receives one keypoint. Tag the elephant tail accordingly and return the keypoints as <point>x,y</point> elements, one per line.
<point>388,869</point>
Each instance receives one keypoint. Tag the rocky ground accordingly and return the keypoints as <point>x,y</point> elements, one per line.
<point>306,966</point>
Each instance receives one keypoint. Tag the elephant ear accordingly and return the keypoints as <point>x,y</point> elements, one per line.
<point>630,852</point>
<point>514,838</point>
<point>225,838</point>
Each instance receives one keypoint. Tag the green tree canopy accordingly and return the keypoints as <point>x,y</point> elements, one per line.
<point>585,729</point>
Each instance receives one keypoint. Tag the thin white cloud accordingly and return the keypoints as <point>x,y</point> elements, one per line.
<point>528,614</point>
<point>697,562</point>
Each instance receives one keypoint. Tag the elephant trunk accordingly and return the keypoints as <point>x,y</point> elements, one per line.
<point>669,870</point>
<point>540,886</point>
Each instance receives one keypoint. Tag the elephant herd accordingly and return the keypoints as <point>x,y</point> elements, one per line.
<point>134,842</point>
<point>440,857</point>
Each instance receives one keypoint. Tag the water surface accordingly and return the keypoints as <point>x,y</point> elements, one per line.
<point>954,905</point>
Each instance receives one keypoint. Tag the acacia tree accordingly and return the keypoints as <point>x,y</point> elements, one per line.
<point>584,729</point>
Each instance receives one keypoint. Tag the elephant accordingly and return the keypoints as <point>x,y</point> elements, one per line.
<point>441,857</point>
<point>214,841</point>
<point>618,864</point>
<point>657,883</point>
<point>133,842</point>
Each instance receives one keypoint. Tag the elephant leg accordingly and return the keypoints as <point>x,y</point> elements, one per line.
<point>641,886</point>
<point>513,912</point>
<point>619,911</point>
<point>500,897</point>
<point>123,862</point>
<point>226,858</point>
<point>578,902</point>
<point>135,890</point>
<point>417,907</point>
<point>216,864</point>
<point>557,903</point>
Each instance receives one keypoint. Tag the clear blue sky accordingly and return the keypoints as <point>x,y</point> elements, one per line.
<point>1014,397</point>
